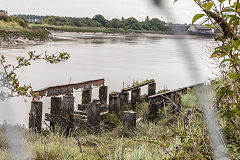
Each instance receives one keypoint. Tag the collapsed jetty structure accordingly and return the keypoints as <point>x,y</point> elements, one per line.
<point>90,113</point>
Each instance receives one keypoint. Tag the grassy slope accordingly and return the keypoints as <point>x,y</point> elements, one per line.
<point>12,29</point>
<point>92,29</point>
<point>167,138</point>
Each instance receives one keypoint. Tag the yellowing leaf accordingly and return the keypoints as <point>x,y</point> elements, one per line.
<point>214,55</point>
<point>208,6</point>
<point>196,17</point>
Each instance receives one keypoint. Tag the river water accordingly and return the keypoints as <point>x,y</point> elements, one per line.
<point>117,58</point>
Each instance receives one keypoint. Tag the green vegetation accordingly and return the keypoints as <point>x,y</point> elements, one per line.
<point>180,136</point>
<point>14,27</point>
<point>224,16</point>
<point>99,24</point>
<point>31,34</point>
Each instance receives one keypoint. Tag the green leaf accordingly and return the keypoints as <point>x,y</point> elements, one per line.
<point>228,9</point>
<point>210,26</point>
<point>208,6</point>
<point>196,17</point>
<point>225,60</point>
<point>221,1</point>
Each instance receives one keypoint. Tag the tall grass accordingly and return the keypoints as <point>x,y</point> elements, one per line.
<point>171,137</point>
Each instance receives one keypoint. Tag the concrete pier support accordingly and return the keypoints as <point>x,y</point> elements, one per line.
<point>103,91</point>
<point>135,97</point>
<point>35,116</point>
<point>152,89</point>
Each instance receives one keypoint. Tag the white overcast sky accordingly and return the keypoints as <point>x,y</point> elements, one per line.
<point>183,11</point>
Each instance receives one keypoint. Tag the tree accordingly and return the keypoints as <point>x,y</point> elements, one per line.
<point>116,23</point>
<point>157,25</point>
<point>132,23</point>
<point>100,19</point>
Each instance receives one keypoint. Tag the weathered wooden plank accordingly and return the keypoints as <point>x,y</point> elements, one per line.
<point>52,118</point>
<point>168,93</point>
<point>80,112</point>
<point>66,89</point>
<point>138,86</point>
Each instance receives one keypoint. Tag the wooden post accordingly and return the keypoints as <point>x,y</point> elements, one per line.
<point>177,100</point>
<point>172,103</point>
<point>93,117</point>
<point>175,103</point>
<point>124,98</point>
<point>103,91</point>
<point>114,103</point>
<point>135,97</point>
<point>129,119</point>
<point>82,107</point>
<point>67,114</point>
<point>55,109</point>
<point>87,94</point>
<point>35,116</point>
<point>152,89</point>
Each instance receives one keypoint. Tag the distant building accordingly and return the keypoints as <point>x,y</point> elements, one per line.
<point>200,29</point>
<point>2,12</point>
<point>179,28</point>
<point>33,20</point>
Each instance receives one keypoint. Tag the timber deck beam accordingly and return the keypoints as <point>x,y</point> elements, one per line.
<point>66,89</point>
<point>168,93</point>
<point>139,85</point>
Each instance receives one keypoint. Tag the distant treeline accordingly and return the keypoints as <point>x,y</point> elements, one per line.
<point>148,24</point>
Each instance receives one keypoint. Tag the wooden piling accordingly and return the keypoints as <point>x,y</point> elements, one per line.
<point>129,119</point>
<point>67,114</point>
<point>87,94</point>
<point>175,103</point>
<point>55,109</point>
<point>93,117</point>
<point>114,103</point>
<point>152,89</point>
<point>103,91</point>
<point>35,116</point>
<point>135,97</point>
<point>82,107</point>
<point>124,98</point>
